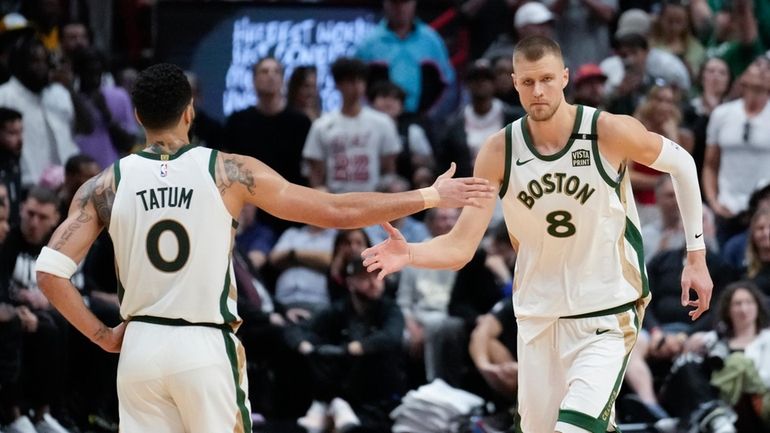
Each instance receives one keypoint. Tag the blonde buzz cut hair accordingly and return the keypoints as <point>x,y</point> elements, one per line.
<point>534,48</point>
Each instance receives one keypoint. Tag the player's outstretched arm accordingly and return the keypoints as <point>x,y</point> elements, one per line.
<point>625,137</point>
<point>244,179</point>
<point>454,249</point>
<point>89,213</point>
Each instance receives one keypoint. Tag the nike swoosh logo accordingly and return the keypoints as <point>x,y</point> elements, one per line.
<point>602,331</point>
<point>698,235</point>
<point>520,162</point>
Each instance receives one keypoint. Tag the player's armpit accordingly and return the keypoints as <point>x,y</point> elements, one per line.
<point>89,212</point>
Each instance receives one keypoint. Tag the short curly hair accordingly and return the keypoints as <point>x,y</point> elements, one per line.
<point>160,95</point>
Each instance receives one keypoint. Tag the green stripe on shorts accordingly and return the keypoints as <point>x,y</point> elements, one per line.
<point>240,395</point>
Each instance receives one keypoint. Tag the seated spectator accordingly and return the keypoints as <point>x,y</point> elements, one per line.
<point>664,272</point>
<point>354,352</point>
<point>109,126</point>
<point>253,239</point>
<point>303,256</point>
<point>348,245</point>
<point>11,129</point>
<point>588,86</point>
<point>493,350</point>
<point>45,333</point>
<point>485,280</point>
<point>659,112</point>
<point>636,66</point>
<point>465,133</point>
<point>758,251</point>
<point>664,232</point>
<point>504,90</point>
<point>728,367</point>
<point>416,150</point>
<point>350,149</point>
<point>412,229</point>
<point>734,251</point>
<point>77,170</point>
<point>735,36</point>
<point>423,295</point>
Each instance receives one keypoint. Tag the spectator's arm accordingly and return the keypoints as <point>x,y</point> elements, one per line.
<point>487,329</point>
<point>317,173</point>
<point>743,14</point>
<point>710,175</point>
<point>600,9</point>
<point>702,17</point>
<point>388,164</point>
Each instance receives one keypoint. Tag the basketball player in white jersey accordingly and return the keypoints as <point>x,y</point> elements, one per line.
<point>171,212</point>
<point>580,285</point>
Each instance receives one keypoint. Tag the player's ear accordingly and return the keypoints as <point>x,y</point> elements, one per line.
<point>513,77</point>
<point>565,78</point>
<point>136,116</point>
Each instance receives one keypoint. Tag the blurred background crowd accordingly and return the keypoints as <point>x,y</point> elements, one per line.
<point>329,345</point>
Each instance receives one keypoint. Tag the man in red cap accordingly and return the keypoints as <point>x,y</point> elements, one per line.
<point>589,86</point>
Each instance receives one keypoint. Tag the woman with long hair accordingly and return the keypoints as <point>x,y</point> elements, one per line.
<point>758,250</point>
<point>302,92</point>
<point>713,83</point>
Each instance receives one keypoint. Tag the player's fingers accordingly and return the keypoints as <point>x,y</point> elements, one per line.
<point>685,292</point>
<point>449,173</point>
<point>392,231</point>
<point>692,303</point>
<point>381,276</point>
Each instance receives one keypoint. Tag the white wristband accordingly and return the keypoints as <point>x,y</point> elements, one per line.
<point>55,263</point>
<point>430,196</point>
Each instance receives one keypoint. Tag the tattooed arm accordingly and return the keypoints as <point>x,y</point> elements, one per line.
<point>89,213</point>
<point>242,179</point>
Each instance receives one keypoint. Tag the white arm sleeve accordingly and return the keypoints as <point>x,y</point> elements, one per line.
<point>677,162</point>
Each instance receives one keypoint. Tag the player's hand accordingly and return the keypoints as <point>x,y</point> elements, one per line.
<point>389,256</point>
<point>112,339</point>
<point>463,191</point>
<point>695,276</point>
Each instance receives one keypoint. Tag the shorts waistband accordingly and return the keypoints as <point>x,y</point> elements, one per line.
<point>607,312</point>
<point>179,322</point>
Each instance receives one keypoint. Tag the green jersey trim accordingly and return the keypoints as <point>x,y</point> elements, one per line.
<point>528,137</point>
<point>597,156</point>
<point>508,156</point>
<point>213,164</point>
<point>579,419</point>
<point>227,316</point>
<point>116,172</point>
<point>634,237</point>
<point>165,157</point>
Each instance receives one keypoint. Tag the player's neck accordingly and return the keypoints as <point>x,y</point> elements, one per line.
<point>551,135</point>
<point>167,143</point>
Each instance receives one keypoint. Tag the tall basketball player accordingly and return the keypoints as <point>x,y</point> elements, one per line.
<point>580,285</point>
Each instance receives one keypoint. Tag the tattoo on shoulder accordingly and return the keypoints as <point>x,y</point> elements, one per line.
<point>232,170</point>
<point>99,190</point>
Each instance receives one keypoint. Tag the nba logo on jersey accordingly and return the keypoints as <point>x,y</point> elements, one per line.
<point>581,158</point>
<point>164,170</point>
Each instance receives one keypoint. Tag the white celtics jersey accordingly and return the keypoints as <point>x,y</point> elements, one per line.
<point>572,219</point>
<point>173,238</point>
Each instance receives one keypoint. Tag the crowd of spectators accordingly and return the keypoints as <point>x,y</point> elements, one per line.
<point>330,345</point>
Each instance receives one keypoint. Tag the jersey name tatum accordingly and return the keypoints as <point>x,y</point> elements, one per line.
<point>167,196</point>
<point>551,183</point>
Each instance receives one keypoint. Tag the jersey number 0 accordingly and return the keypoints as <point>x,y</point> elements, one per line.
<point>153,245</point>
